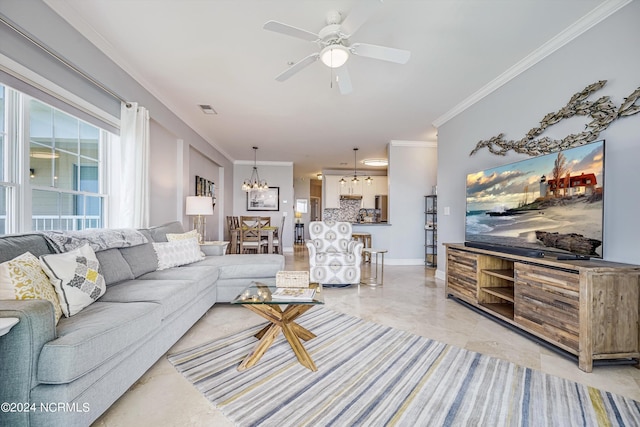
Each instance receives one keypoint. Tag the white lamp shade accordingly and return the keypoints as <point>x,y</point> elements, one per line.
<point>199,205</point>
<point>334,56</point>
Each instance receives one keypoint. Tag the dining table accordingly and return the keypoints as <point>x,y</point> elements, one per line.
<point>269,232</point>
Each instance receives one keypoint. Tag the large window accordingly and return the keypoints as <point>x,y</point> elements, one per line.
<point>61,171</point>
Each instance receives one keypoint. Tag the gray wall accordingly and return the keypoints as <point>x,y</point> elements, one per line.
<point>277,174</point>
<point>412,173</point>
<point>302,190</point>
<point>608,51</point>
<point>162,186</point>
<point>200,165</point>
<point>171,138</point>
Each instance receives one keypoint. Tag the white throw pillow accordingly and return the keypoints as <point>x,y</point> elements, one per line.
<point>177,253</point>
<point>76,277</point>
<point>22,278</point>
<point>193,234</point>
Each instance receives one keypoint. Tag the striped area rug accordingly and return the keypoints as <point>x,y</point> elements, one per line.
<point>374,375</point>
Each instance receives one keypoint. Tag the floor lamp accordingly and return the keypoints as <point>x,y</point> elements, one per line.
<point>199,206</point>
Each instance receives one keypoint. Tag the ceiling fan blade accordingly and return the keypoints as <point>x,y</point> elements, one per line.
<point>390,54</point>
<point>298,66</point>
<point>360,13</point>
<point>343,79</point>
<point>288,30</point>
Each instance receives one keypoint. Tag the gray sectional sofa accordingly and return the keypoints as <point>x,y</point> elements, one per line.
<point>69,374</point>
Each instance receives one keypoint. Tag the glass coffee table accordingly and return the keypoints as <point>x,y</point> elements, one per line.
<point>258,298</point>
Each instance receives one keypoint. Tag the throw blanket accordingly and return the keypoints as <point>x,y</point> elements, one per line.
<point>98,239</point>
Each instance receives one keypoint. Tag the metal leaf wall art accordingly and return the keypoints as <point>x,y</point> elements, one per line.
<point>602,111</point>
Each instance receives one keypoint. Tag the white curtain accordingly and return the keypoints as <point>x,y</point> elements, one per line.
<point>129,166</point>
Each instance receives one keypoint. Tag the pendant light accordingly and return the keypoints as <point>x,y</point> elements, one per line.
<point>254,183</point>
<point>355,179</point>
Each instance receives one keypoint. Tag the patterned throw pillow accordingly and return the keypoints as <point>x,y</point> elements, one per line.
<point>22,278</point>
<point>193,234</point>
<point>179,252</point>
<point>76,277</point>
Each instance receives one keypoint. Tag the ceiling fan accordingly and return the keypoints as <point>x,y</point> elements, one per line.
<point>334,42</point>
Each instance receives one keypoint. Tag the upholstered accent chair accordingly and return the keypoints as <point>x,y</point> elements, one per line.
<point>334,258</point>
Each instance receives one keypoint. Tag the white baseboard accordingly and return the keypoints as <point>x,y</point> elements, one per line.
<point>398,261</point>
<point>441,275</point>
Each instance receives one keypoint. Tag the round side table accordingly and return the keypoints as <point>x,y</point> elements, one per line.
<point>375,281</point>
<point>299,233</point>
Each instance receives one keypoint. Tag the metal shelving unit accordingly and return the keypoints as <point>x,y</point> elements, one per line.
<point>431,231</point>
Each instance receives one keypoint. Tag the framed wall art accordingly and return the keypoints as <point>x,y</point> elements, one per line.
<point>265,200</point>
<point>204,187</point>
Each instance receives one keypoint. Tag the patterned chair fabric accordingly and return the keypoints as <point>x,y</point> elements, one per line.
<point>334,258</point>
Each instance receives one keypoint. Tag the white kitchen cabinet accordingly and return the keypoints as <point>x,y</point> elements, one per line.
<point>377,188</point>
<point>382,185</point>
<point>331,191</point>
<point>369,191</point>
<point>350,188</point>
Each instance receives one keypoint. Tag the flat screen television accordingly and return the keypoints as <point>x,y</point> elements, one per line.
<point>550,204</point>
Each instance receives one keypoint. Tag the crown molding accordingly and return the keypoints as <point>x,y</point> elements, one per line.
<point>424,144</point>
<point>591,19</point>
<point>261,163</point>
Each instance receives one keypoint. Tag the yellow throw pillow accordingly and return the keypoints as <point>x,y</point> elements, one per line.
<point>193,234</point>
<point>22,278</point>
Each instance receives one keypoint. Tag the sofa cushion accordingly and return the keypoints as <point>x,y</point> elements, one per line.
<point>113,266</point>
<point>159,233</point>
<point>187,272</point>
<point>177,253</point>
<point>22,278</point>
<point>93,336</point>
<point>171,294</point>
<point>142,259</point>
<point>12,246</point>
<point>245,266</point>
<point>76,277</point>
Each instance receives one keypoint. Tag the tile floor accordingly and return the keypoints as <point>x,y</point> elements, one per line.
<point>411,299</point>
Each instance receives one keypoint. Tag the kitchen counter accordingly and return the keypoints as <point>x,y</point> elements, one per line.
<point>380,234</point>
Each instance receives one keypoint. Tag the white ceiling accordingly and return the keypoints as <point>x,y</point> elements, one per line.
<point>190,52</point>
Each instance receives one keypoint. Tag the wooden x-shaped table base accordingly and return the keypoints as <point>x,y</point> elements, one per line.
<point>280,321</point>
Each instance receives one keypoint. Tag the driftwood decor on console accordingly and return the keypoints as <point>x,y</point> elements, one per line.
<point>602,111</point>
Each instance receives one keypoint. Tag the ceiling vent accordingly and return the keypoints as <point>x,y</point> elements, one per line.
<point>207,109</point>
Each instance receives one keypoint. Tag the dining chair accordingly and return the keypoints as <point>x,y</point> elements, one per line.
<point>233,227</point>
<point>250,230</point>
<point>265,221</point>
<point>277,237</point>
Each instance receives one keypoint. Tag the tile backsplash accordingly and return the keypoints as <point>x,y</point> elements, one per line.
<point>348,211</point>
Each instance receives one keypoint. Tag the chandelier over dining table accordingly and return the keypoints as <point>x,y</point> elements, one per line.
<point>254,182</point>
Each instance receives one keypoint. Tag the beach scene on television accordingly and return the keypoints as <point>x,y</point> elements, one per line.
<point>552,202</point>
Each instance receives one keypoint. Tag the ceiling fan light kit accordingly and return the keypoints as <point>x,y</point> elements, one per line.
<point>334,56</point>
<point>334,43</point>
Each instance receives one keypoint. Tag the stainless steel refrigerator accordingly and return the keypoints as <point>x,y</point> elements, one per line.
<point>382,203</point>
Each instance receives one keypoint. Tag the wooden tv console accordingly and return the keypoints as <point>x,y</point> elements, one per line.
<point>587,308</point>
